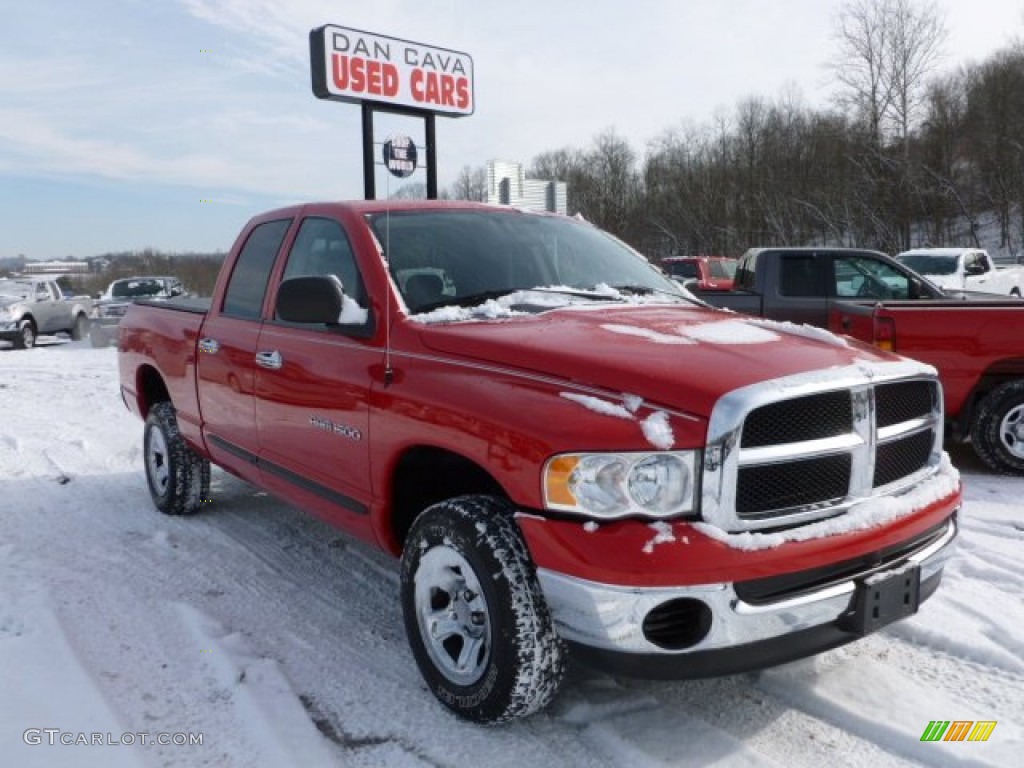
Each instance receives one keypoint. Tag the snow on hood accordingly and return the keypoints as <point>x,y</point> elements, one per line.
<point>679,356</point>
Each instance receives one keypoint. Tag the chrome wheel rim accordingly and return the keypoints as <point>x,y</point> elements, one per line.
<point>28,337</point>
<point>156,461</point>
<point>452,613</point>
<point>1011,431</point>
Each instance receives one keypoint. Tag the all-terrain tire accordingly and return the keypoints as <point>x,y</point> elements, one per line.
<point>178,478</point>
<point>26,338</point>
<point>997,433</point>
<point>80,328</point>
<point>470,596</point>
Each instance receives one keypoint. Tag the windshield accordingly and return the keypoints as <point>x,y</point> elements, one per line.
<point>457,258</point>
<point>15,288</point>
<point>928,263</point>
<point>131,289</point>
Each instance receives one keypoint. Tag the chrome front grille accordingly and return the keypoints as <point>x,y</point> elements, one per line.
<point>798,449</point>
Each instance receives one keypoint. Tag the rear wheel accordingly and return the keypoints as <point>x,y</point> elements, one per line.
<point>475,615</point>
<point>998,430</point>
<point>178,478</point>
<point>26,338</point>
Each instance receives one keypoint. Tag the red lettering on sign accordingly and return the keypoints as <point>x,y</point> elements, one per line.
<point>365,76</point>
<point>440,89</point>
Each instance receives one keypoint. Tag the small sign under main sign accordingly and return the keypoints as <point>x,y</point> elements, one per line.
<point>400,156</point>
<point>352,65</point>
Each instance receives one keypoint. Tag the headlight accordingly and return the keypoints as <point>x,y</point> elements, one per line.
<point>612,485</point>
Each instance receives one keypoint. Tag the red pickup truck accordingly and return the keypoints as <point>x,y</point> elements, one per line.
<point>978,352</point>
<point>564,451</point>
<point>712,273</point>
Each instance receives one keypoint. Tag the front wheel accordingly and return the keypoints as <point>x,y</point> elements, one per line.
<point>475,615</point>
<point>998,429</point>
<point>178,478</point>
<point>26,338</point>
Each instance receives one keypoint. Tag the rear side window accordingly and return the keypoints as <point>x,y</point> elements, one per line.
<point>800,276</point>
<point>248,284</point>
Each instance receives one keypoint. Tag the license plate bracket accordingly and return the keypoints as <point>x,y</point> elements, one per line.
<point>883,598</point>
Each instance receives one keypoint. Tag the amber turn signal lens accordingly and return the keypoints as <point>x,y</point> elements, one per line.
<point>557,480</point>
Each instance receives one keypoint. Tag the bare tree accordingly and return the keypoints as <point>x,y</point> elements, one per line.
<point>471,184</point>
<point>887,49</point>
<point>915,39</point>
<point>863,38</point>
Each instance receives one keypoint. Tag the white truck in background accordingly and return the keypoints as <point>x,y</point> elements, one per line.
<point>111,305</point>
<point>964,269</point>
<point>35,306</point>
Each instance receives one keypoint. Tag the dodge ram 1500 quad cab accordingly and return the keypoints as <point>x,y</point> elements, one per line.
<point>566,454</point>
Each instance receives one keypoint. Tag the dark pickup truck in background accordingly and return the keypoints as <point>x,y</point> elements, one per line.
<point>801,285</point>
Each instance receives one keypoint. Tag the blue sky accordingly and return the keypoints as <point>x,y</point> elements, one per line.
<point>127,124</point>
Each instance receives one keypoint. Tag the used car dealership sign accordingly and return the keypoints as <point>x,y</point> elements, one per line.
<point>351,65</point>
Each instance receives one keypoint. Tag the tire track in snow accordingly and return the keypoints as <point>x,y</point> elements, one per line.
<point>850,692</point>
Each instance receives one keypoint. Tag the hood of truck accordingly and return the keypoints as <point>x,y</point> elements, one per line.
<point>679,357</point>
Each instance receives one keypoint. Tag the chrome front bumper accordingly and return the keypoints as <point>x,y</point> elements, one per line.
<point>610,618</point>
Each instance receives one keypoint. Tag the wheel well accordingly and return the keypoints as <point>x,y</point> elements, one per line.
<point>151,389</point>
<point>28,317</point>
<point>426,475</point>
<point>1003,371</point>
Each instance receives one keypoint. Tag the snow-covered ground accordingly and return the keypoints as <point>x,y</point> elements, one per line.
<point>280,641</point>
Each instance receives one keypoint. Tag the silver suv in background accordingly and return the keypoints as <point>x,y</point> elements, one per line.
<point>111,305</point>
<point>32,306</point>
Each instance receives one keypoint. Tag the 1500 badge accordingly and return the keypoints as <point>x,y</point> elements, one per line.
<point>339,429</point>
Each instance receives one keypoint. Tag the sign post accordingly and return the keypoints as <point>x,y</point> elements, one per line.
<point>388,74</point>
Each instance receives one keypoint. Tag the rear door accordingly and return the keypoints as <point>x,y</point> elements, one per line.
<point>226,365</point>
<point>313,384</point>
<point>802,289</point>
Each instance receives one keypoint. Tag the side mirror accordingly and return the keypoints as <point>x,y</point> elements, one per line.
<point>975,269</point>
<point>310,300</point>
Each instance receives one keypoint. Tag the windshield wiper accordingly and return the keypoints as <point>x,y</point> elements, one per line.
<point>581,292</point>
<point>469,300</point>
<point>645,290</point>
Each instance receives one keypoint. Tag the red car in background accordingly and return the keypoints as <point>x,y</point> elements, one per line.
<point>712,273</point>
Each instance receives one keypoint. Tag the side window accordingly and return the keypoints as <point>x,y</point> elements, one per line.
<point>248,284</point>
<point>865,277</point>
<point>800,276</point>
<point>320,249</point>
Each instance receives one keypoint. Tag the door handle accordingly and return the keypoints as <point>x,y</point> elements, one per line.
<point>210,346</point>
<point>271,360</point>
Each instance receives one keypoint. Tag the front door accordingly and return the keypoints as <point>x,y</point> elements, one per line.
<point>312,387</point>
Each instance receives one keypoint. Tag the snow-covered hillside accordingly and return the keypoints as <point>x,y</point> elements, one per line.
<point>280,641</point>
